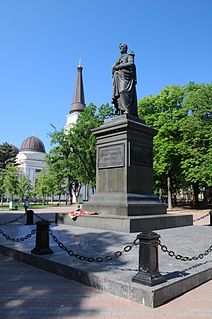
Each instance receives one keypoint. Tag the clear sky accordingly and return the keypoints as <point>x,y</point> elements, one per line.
<point>41,42</point>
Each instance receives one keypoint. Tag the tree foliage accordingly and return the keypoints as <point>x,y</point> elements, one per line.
<point>8,154</point>
<point>41,186</point>
<point>74,153</point>
<point>182,146</point>
<point>24,187</point>
<point>196,135</point>
<point>10,183</point>
<point>2,190</point>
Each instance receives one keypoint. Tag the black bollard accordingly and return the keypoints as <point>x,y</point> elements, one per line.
<point>30,214</point>
<point>42,238</point>
<point>148,272</point>
<point>56,219</point>
<point>210,212</point>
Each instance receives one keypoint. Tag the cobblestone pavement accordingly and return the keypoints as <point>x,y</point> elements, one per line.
<point>29,293</point>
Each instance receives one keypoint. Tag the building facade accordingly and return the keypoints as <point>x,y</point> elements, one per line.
<point>31,157</point>
<point>77,106</point>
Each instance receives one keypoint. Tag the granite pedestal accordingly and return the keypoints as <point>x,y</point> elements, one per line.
<point>124,178</point>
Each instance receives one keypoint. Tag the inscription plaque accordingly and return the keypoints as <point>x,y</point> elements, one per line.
<point>140,155</point>
<point>111,156</point>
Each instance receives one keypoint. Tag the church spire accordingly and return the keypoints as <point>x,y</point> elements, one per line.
<point>78,103</point>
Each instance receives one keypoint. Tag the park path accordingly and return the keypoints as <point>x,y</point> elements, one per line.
<point>28,293</point>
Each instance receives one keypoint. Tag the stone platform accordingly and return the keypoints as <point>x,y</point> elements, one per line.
<point>131,224</point>
<point>124,196</point>
<point>115,276</point>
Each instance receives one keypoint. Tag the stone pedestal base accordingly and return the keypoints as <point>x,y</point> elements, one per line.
<point>124,196</point>
<point>133,224</point>
<point>121,204</point>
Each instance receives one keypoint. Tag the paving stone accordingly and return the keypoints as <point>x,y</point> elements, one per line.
<point>28,292</point>
<point>116,276</point>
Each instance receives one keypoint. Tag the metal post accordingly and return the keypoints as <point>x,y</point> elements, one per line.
<point>148,272</point>
<point>56,219</point>
<point>30,214</point>
<point>210,212</point>
<point>42,238</point>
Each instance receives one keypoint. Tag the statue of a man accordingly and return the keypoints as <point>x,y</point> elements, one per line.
<point>124,83</point>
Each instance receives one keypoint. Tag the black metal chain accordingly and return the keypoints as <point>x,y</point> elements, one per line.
<point>38,216</point>
<point>171,253</point>
<point>202,217</point>
<point>13,220</point>
<point>17,240</point>
<point>98,259</point>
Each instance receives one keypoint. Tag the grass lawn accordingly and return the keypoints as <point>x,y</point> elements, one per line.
<point>31,206</point>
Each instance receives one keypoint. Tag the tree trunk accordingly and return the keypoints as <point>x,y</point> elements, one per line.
<point>161,195</point>
<point>196,193</point>
<point>169,192</point>
<point>70,190</point>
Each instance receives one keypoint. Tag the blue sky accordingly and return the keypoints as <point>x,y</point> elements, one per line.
<point>41,42</point>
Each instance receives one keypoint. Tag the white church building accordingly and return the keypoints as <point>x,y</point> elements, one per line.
<point>31,157</point>
<point>76,108</point>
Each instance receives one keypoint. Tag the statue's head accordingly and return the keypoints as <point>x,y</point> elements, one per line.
<point>123,47</point>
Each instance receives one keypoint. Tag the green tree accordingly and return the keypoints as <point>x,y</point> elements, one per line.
<point>57,173</point>
<point>24,187</point>
<point>8,154</point>
<point>74,153</point>
<point>60,160</point>
<point>196,137</point>
<point>55,182</point>
<point>163,112</point>
<point>10,183</point>
<point>42,186</point>
<point>182,146</point>
<point>2,191</point>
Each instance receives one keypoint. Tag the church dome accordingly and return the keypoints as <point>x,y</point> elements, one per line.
<point>33,144</point>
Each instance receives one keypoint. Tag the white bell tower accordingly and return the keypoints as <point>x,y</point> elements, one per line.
<point>78,103</point>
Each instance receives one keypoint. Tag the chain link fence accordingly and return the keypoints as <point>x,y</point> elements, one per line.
<point>126,249</point>
<point>201,217</point>
<point>39,217</point>
<point>13,220</point>
<point>171,253</point>
<point>98,259</point>
<point>19,218</point>
<point>20,239</point>
<point>106,258</point>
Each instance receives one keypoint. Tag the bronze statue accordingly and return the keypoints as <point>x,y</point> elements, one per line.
<point>124,81</point>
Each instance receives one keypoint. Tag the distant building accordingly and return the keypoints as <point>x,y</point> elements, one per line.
<point>31,157</point>
<point>77,106</point>
<point>78,103</point>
